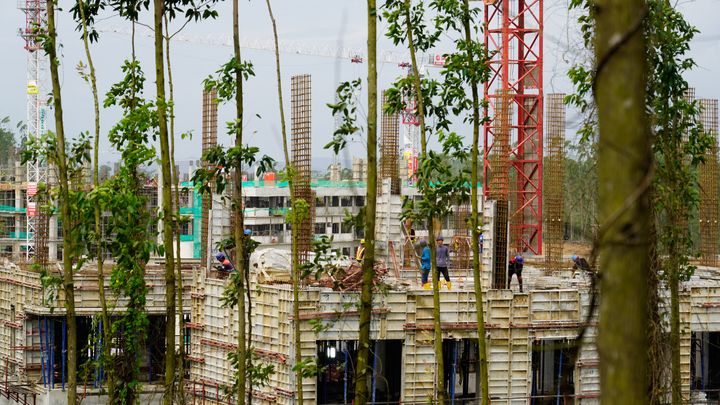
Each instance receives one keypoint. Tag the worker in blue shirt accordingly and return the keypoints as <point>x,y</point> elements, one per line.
<point>425,265</point>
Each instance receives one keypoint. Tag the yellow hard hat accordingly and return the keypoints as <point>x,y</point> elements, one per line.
<point>362,241</point>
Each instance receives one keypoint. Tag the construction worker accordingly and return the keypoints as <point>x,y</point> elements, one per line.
<point>225,264</point>
<point>579,263</point>
<point>516,267</point>
<point>360,253</point>
<point>425,265</point>
<point>442,256</point>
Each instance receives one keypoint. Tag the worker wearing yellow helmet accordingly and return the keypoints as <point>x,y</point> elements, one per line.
<point>360,253</point>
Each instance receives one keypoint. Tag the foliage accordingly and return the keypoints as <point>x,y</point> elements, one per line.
<point>7,141</point>
<point>580,191</point>
<point>129,223</point>
<point>346,108</point>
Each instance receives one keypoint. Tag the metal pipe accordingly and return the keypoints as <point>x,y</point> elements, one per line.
<point>559,383</point>
<point>51,347</point>
<point>453,366</point>
<point>345,374</point>
<point>374,374</point>
<point>42,352</point>
<point>64,351</point>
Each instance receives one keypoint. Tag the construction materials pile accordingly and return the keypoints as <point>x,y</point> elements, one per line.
<point>350,278</point>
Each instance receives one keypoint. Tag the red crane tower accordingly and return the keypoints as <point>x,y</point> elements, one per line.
<point>514,38</point>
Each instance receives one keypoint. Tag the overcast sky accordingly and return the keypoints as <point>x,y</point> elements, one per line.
<point>309,23</point>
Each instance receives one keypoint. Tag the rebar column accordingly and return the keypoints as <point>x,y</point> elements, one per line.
<point>209,140</point>
<point>499,182</point>
<point>300,129</point>
<point>554,177</point>
<point>708,216</point>
<point>389,144</point>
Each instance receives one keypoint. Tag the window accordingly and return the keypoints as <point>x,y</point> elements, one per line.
<point>335,201</point>
<point>336,381</point>
<point>346,201</point>
<point>335,228</point>
<point>705,364</point>
<point>346,227</point>
<point>552,371</point>
<point>320,229</point>
<point>359,201</point>
<point>461,370</point>
<point>319,201</point>
<point>186,228</point>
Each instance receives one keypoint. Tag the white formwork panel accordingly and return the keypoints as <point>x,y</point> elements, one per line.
<point>555,305</point>
<point>419,366</point>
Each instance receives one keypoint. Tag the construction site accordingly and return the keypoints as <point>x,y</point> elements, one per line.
<point>532,323</point>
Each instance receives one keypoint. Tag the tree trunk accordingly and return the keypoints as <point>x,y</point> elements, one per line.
<point>440,373</point>
<point>65,210</point>
<point>294,241</point>
<point>239,220</point>
<point>624,177</point>
<point>176,222</point>
<point>368,263</point>
<point>167,213</point>
<point>477,278</point>
<point>105,318</point>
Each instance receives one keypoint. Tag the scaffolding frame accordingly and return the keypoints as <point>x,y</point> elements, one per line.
<point>554,178</point>
<point>300,129</point>
<point>709,211</point>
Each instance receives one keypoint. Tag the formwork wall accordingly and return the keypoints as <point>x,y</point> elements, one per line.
<point>514,322</point>
<point>23,301</point>
<point>709,209</point>
<point>554,175</point>
<point>300,128</point>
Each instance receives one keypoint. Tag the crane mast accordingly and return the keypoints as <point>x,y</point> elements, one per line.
<point>513,137</point>
<point>36,170</point>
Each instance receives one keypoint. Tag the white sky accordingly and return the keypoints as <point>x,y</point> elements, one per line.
<point>334,23</point>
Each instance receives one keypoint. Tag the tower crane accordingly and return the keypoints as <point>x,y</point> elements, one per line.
<point>36,171</point>
<point>513,37</point>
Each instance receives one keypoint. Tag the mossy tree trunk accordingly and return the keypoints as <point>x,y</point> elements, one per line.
<point>624,174</point>
<point>105,318</point>
<point>476,262</point>
<point>68,281</point>
<point>167,212</point>
<point>417,87</point>
<point>291,181</point>
<point>238,232</point>
<point>368,264</point>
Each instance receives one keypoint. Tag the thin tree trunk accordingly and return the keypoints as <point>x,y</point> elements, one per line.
<point>477,278</point>
<point>624,178</point>
<point>167,213</point>
<point>674,281</point>
<point>65,210</point>
<point>294,246</point>
<point>176,221</point>
<point>368,264</point>
<point>239,220</point>
<point>105,318</point>
<point>439,375</point>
